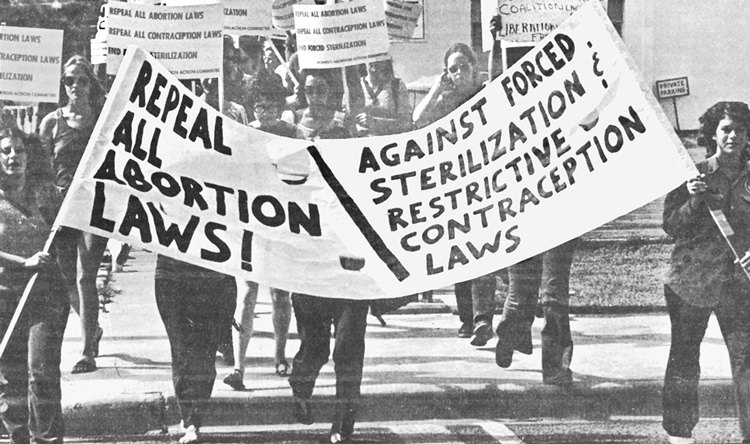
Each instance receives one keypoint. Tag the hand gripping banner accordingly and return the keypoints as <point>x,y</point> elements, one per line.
<point>565,141</point>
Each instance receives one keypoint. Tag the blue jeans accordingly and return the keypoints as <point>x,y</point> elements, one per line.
<point>30,401</point>
<point>544,277</point>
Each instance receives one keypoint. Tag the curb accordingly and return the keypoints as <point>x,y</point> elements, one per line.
<point>152,413</point>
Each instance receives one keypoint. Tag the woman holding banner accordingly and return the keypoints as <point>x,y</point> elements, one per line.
<point>315,315</point>
<point>459,83</point>
<point>65,133</point>
<point>704,277</point>
<point>30,365</point>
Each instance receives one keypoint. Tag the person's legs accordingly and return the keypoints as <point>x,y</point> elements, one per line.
<point>65,247</point>
<point>281,312</point>
<point>465,309</point>
<point>734,320</point>
<point>680,395</point>
<point>514,329</point>
<point>247,297</point>
<point>49,314</point>
<point>196,312</point>
<point>90,252</point>
<point>348,357</point>
<point>14,407</point>
<point>314,318</point>
<point>557,343</point>
<point>483,301</point>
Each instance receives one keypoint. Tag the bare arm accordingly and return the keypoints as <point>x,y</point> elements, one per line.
<point>495,61</point>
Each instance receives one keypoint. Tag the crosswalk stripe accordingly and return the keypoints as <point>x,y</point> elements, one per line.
<point>500,432</point>
<point>423,428</point>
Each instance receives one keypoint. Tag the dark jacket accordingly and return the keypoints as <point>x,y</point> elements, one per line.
<point>702,268</point>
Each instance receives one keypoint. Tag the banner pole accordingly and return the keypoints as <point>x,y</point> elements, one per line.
<point>727,232</point>
<point>24,298</point>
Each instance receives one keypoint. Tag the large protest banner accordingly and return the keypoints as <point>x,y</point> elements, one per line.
<point>402,17</point>
<point>563,142</point>
<point>30,61</point>
<point>569,139</point>
<point>186,39</point>
<point>332,36</point>
<point>526,20</point>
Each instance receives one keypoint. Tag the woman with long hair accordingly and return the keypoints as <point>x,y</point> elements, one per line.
<point>387,109</point>
<point>65,133</point>
<point>30,395</point>
<point>704,277</point>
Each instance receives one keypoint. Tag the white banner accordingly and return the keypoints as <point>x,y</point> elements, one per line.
<point>30,63</point>
<point>185,39</point>
<point>332,36</point>
<point>402,17</point>
<point>526,20</point>
<point>566,142</point>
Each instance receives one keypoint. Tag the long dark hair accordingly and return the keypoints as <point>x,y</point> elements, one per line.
<point>96,91</point>
<point>737,111</point>
<point>38,162</point>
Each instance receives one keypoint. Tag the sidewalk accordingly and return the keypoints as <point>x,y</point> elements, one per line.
<point>415,368</point>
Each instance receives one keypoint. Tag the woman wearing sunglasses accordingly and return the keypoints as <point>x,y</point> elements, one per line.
<point>65,133</point>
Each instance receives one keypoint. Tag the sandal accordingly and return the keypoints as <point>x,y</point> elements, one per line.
<point>282,369</point>
<point>84,365</point>
<point>95,347</point>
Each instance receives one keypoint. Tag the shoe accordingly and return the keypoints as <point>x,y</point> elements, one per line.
<point>563,379</point>
<point>482,334</point>
<point>282,368</point>
<point>84,365</point>
<point>342,428</point>
<point>503,353</point>
<point>302,411</point>
<point>466,330</point>
<point>235,380</point>
<point>337,438</point>
<point>192,434</point>
<point>679,440</point>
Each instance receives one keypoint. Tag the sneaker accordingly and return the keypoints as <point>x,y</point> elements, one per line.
<point>679,440</point>
<point>482,334</point>
<point>191,435</point>
<point>466,330</point>
<point>235,380</point>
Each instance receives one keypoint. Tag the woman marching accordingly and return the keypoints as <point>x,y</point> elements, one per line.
<point>65,133</point>
<point>30,393</point>
<point>704,277</point>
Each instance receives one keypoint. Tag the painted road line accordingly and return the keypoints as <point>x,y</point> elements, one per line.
<point>499,432</point>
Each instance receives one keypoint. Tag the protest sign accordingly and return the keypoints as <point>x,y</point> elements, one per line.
<point>331,36</point>
<point>566,141</point>
<point>243,17</point>
<point>283,13</point>
<point>526,20</point>
<point>30,62</point>
<point>401,18</point>
<point>186,39</point>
